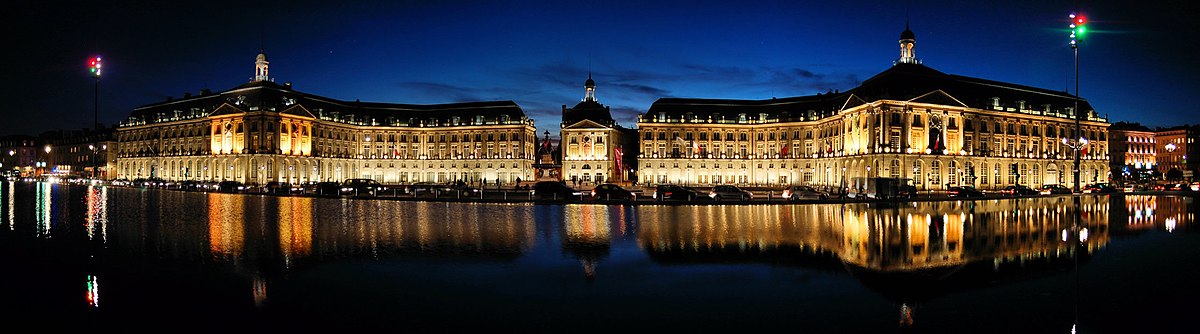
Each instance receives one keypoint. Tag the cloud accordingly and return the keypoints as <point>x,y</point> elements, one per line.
<point>640,89</point>
<point>439,91</point>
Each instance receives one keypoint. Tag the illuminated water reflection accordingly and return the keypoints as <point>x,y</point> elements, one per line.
<point>267,259</point>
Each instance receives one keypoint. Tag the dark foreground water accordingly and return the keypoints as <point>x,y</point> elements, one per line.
<point>150,260</point>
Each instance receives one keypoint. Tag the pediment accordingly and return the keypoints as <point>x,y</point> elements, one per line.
<point>226,109</point>
<point>852,101</point>
<point>938,97</point>
<point>586,124</point>
<point>298,110</point>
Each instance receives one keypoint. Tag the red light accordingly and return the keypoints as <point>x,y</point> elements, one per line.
<point>1080,20</point>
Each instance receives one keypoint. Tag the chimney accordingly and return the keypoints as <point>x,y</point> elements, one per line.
<point>288,85</point>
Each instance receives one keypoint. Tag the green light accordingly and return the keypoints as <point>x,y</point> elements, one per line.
<point>1081,31</point>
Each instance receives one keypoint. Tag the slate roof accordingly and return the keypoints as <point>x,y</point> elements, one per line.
<point>589,110</point>
<point>270,96</point>
<point>901,82</point>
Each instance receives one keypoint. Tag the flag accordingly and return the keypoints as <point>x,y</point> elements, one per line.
<point>620,156</point>
<point>695,146</point>
<point>680,142</point>
<point>784,150</point>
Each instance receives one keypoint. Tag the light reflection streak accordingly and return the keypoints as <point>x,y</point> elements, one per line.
<point>11,201</point>
<point>97,212</point>
<point>42,209</point>
<point>93,291</point>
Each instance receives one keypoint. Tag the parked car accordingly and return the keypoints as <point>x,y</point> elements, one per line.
<point>554,190</point>
<point>965,191</point>
<point>327,188</point>
<point>1128,188</point>
<point>361,187</point>
<point>612,192</point>
<point>276,187</point>
<point>674,192</point>
<point>189,185</point>
<point>1099,188</point>
<point>1019,190</point>
<point>428,188</point>
<point>730,192</point>
<point>230,187</point>
<point>1054,189</point>
<point>464,189</point>
<point>795,193</point>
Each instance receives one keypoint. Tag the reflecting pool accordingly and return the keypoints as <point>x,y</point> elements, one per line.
<point>100,257</point>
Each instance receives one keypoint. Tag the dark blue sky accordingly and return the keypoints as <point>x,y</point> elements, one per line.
<point>1137,65</point>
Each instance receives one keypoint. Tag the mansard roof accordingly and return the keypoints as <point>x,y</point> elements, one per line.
<point>902,82</point>
<point>588,110</point>
<point>272,97</point>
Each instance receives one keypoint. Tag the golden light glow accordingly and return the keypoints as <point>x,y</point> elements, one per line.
<point>226,225</point>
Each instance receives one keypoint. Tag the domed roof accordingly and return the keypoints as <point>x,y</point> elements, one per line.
<point>907,34</point>
<point>589,82</point>
<point>262,56</point>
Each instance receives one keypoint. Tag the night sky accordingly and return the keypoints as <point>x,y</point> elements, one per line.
<point>1138,63</point>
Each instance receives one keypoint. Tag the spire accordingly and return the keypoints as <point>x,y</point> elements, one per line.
<point>260,67</point>
<point>589,86</point>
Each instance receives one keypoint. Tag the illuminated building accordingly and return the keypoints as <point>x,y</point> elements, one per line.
<point>72,152</point>
<point>1131,150</point>
<point>18,155</point>
<point>909,121</point>
<point>1174,146</point>
<point>262,131</point>
<point>593,144</point>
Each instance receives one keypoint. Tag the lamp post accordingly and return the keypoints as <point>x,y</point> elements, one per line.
<point>1076,145</point>
<point>95,70</point>
<point>1077,32</point>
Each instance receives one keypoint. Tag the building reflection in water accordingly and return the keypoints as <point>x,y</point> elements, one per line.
<point>905,237</point>
<point>587,233</point>
<point>907,252</point>
<point>1146,212</point>
<point>295,228</point>
<point>226,225</point>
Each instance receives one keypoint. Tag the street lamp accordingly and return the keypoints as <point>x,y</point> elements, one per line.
<point>95,69</point>
<point>1077,32</point>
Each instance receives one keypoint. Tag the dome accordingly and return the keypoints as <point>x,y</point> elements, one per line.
<point>589,82</point>
<point>907,34</point>
<point>262,56</point>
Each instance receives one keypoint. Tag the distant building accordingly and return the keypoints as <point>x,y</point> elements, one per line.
<point>593,145</point>
<point>1177,152</point>
<point>18,155</point>
<point>1132,153</point>
<point>78,153</point>
<point>910,121</point>
<point>262,131</point>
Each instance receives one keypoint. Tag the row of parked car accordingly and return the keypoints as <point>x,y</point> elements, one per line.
<point>667,192</point>
<point>349,187</point>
